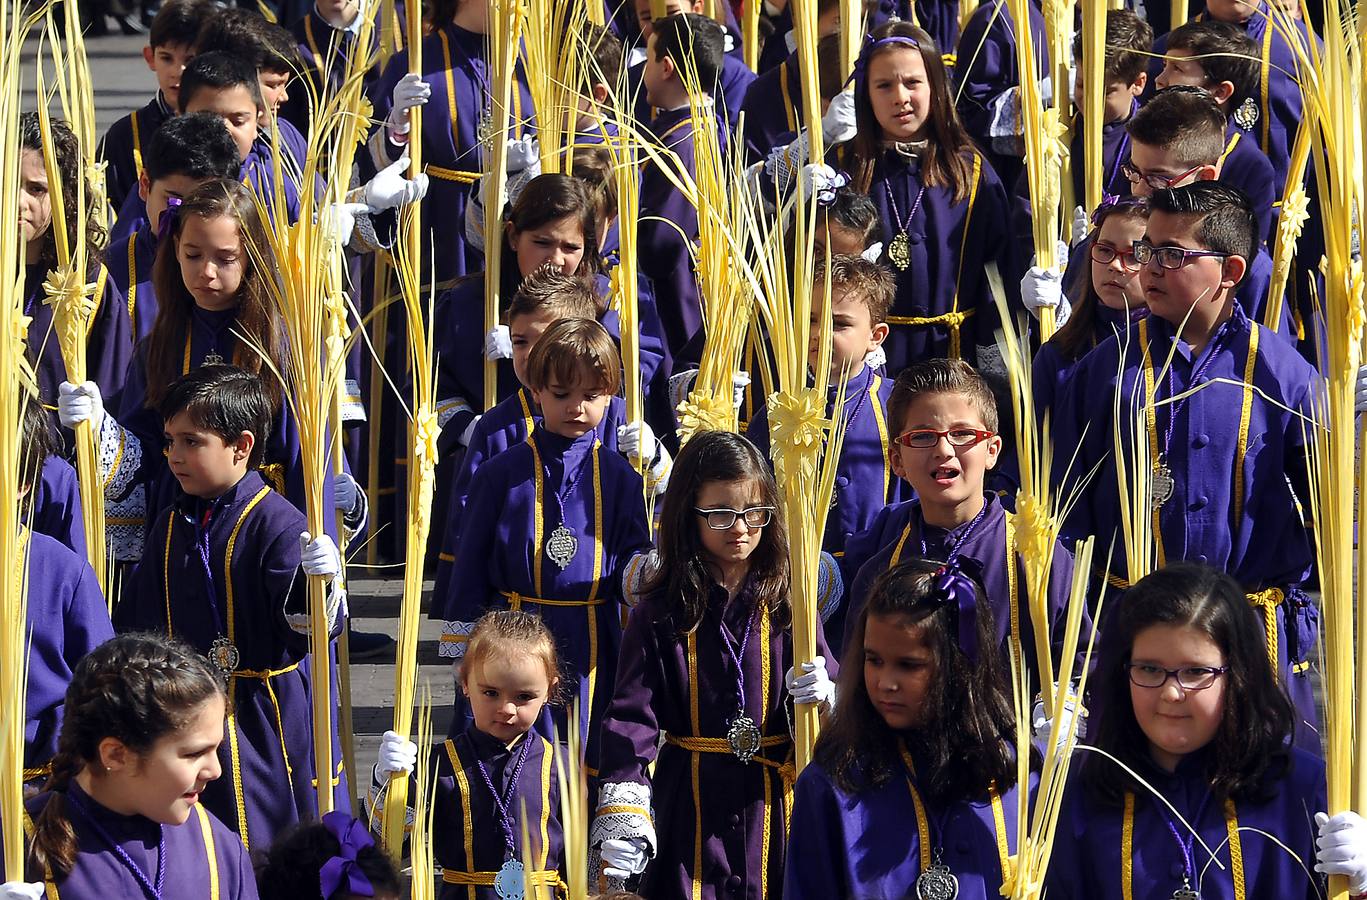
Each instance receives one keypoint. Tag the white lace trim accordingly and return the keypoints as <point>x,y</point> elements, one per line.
<point>448,409</point>
<point>353,410</point>
<point>120,457</point>
<point>623,812</point>
<point>680,383</point>
<point>638,568</point>
<point>830,586</point>
<point>454,638</point>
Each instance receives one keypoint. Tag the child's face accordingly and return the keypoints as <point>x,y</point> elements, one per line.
<point>1181,67</point>
<point>168,62</point>
<point>524,332</point>
<point>35,203</point>
<point>853,334</point>
<point>1177,721</point>
<point>274,88</point>
<point>899,669</point>
<point>212,260</point>
<point>658,76</point>
<point>164,784</point>
<point>1117,282</point>
<point>842,241</point>
<point>205,465</point>
<point>506,692</point>
<point>1235,12</point>
<point>155,194</point>
<point>574,410</point>
<point>734,545</point>
<point>1171,293</point>
<point>1119,98</point>
<point>645,19</point>
<point>1151,161</point>
<point>559,242</point>
<point>899,91</point>
<point>945,477</point>
<point>343,11</point>
<point>236,107</point>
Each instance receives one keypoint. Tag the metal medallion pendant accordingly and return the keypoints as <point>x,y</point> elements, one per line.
<point>937,883</point>
<point>511,881</point>
<point>484,131</point>
<point>899,251</point>
<point>561,546</point>
<point>1186,892</point>
<point>743,737</point>
<point>1246,116</point>
<point>224,655</point>
<point>1161,486</point>
<point>212,359</point>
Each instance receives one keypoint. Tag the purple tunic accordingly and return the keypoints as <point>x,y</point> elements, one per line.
<point>466,834</point>
<point>680,686</point>
<point>108,344</point>
<point>324,67</point>
<point>200,854</point>
<point>838,844</point>
<point>1245,166</point>
<point>1050,370</point>
<point>129,260</point>
<point>57,510</point>
<point>252,547</point>
<point>773,108</point>
<point>1088,860</point>
<point>122,146</point>
<point>66,618</point>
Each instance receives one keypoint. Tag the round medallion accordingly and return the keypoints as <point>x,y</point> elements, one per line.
<point>743,737</point>
<point>224,655</point>
<point>511,882</point>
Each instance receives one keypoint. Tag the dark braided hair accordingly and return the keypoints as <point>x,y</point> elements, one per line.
<point>135,688</point>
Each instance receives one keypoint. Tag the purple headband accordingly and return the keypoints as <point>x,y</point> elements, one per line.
<point>955,589</point>
<point>860,74</point>
<point>168,218</point>
<point>1111,202</point>
<point>341,873</point>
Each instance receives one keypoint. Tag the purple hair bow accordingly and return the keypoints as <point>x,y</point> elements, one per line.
<point>342,872</point>
<point>168,218</point>
<point>957,590</point>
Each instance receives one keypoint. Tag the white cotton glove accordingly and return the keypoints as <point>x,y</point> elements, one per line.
<point>469,432</point>
<point>410,91</point>
<point>498,343</point>
<point>391,187</point>
<point>635,440</point>
<point>340,219</point>
<point>78,403</point>
<point>1342,844</point>
<point>346,493</point>
<point>1082,223</point>
<point>397,756</point>
<point>1043,288</point>
<point>838,125</point>
<point>739,382</point>
<point>813,685</point>
<point>818,179</point>
<point>624,857</point>
<point>22,890</point>
<point>522,152</point>
<point>318,556</point>
<point>1041,724</point>
<point>1359,397</point>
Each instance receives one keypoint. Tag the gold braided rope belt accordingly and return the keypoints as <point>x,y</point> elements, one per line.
<point>42,771</point>
<point>541,878</point>
<point>951,320</point>
<point>787,771</point>
<point>515,600</point>
<point>456,175</point>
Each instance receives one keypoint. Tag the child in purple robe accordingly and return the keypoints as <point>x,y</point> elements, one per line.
<point>773,104</point>
<point>1187,707</point>
<point>108,345</point>
<point>924,716</point>
<point>120,815</point>
<point>552,522</point>
<point>704,683</point>
<point>228,572</point>
<point>170,44</point>
<point>496,771</point>
<point>184,153</point>
<point>326,39</point>
<point>1229,461</point>
<point>334,858</point>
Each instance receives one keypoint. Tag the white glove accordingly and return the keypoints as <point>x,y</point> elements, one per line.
<point>498,343</point>
<point>522,152</point>
<point>1359,397</point>
<point>837,125</point>
<point>813,685</point>
<point>635,440</point>
<point>341,219</point>
<point>318,556</point>
<point>624,857</point>
<point>1082,223</point>
<point>469,432</point>
<point>397,756</point>
<point>410,91</point>
<point>1342,844</point>
<point>1041,724</point>
<point>819,179</point>
<point>78,403</point>
<point>346,493</point>
<point>391,187</point>
<point>22,890</point>
<point>1043,288</point>
<point>739,382</point>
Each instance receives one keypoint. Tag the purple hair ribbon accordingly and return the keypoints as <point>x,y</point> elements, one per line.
<point>342,873</point>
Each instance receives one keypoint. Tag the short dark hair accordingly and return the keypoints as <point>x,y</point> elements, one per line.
<point>605,50</point>
<point>1226,53</point>
<point>220,71</point>
<point>196,145</point>
<point>1183,120</point>
<point>247,34</point>
<point>222,399</point>
<point>177,23</point>
<point>688,35</point>
<point>549,291</point>
<point>940,376</point>
<point>852,211</point>
<point>1128,41</point>
<point>1225,220</point>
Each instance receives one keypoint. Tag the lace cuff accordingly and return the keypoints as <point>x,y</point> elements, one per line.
<point>454,637</point>
<point>680,384</point>
<point>638,569</point>
<point>623,812</point>
<point>120,458</point>
<point>784,163</point>
<point>830,586</point>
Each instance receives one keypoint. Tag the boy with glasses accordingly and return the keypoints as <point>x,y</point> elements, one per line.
<point>1223,410</point>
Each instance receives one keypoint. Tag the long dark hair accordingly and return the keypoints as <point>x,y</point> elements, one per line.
<point>71,164</point>
<point>1075,338</point>
<point>1249,750</point>
<point>258,317</point>
<point>682,576</point>
<point>966,743</point>
<point>947,162</point>
<point>135,688</point>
